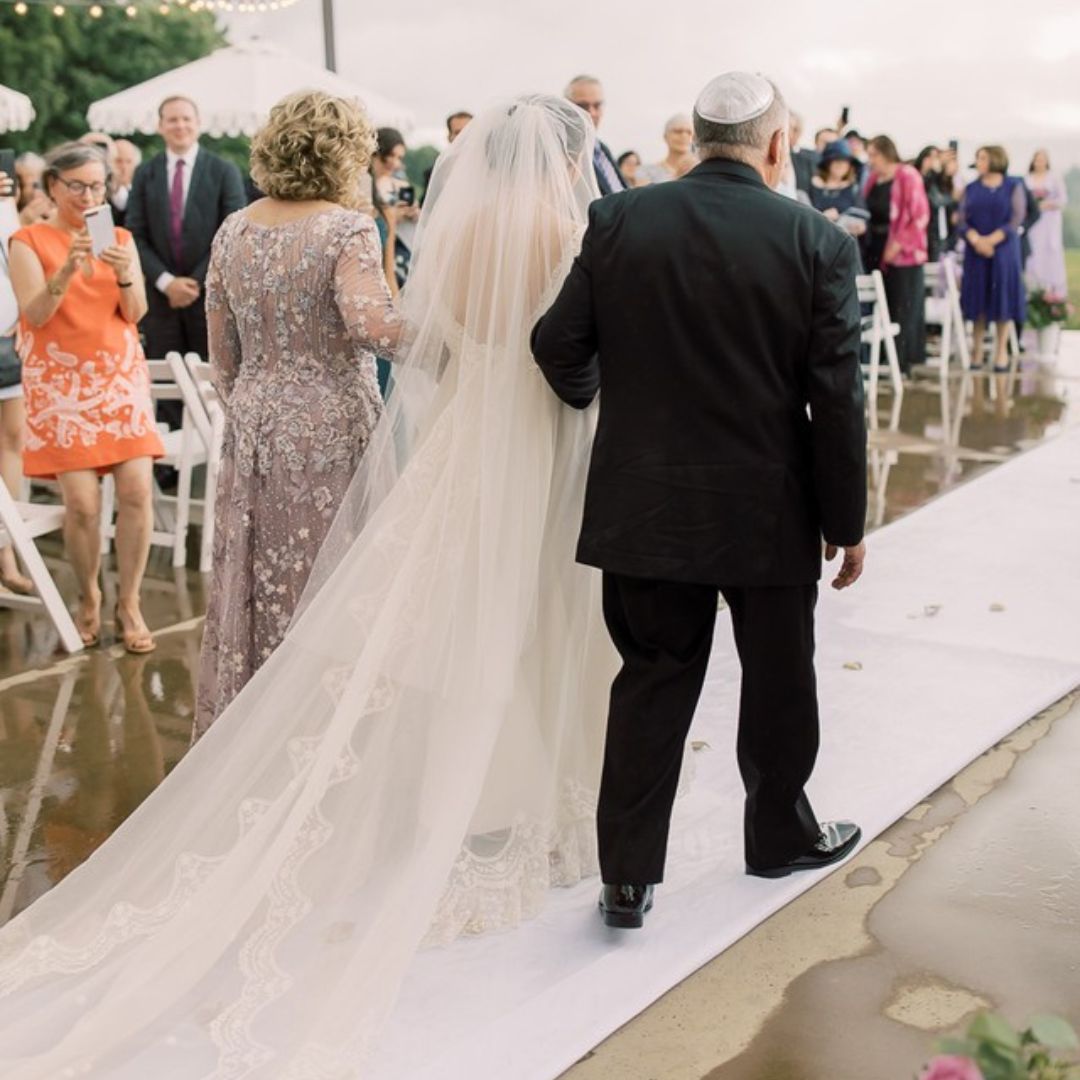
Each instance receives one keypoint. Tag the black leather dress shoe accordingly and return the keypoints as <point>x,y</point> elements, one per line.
<point>835,842</point>
<point>625,906</point>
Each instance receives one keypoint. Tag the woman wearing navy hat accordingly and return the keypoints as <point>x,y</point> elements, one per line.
<point>835,189</point>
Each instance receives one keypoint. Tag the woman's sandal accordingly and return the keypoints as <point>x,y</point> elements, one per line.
<point>89,634</point>
<point>136,642</point>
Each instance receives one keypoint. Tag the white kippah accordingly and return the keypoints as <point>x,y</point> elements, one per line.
<point>734,98</point>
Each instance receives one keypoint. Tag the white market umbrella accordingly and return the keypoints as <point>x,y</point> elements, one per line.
<point>16,110</point>
<point>235,89</point>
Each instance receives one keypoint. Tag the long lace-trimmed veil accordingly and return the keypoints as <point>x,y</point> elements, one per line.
<point>414,761</point>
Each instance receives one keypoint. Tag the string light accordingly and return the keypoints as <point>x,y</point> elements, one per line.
<point>96,9</point>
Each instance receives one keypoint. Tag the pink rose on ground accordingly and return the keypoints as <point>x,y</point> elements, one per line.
<point>952,1068</point>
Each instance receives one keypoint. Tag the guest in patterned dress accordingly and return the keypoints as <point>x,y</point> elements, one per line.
<point>297,306</point>
<point>992,289</point>
<point>86,384</point>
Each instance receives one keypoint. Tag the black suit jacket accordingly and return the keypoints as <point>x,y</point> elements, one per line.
<point>601,179</point>
<point>216,191</point>
<point>710,313</point>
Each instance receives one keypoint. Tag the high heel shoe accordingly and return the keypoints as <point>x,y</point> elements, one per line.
<point>136,642</point>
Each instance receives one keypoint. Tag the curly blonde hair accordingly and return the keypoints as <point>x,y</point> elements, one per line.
<point>314,146</point>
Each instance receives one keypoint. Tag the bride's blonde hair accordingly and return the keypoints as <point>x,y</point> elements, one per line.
<point>314,146</point>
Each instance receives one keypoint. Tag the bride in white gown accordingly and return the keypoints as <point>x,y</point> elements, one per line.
<point>419,758</point>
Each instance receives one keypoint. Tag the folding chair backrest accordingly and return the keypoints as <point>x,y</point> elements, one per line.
<point>192,399</point>
<point>867,289</point>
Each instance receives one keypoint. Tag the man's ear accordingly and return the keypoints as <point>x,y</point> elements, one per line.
<point>776,148</point>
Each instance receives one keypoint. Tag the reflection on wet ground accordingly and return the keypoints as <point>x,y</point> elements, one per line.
<point>84,739</point>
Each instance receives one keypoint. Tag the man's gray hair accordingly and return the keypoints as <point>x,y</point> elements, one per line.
<point>746,141</point>
<point>30,159</point>
<point>73,155</point>
<point>128,142</point>
<point>580,80</point>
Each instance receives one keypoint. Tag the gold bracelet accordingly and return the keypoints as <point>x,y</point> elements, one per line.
<point>55,288</point>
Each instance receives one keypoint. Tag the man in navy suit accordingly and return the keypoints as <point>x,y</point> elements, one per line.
<point>177,203</point>
<point>586,93</point>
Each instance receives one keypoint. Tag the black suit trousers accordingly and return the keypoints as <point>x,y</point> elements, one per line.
<point>663,631</point>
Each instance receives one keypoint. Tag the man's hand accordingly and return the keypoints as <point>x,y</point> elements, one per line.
<point>852,567</point>
<point>182,292</point>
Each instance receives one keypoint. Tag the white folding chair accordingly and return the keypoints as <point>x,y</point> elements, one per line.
<point>943,309</point>
<point>201,403</point>
<point>20,524</point>
<point>184,450</point>
<point>878,330</point>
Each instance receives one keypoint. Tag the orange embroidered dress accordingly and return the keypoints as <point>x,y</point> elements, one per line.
<point>85,381</point>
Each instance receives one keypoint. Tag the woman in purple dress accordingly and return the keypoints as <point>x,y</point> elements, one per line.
<point>991,211</point>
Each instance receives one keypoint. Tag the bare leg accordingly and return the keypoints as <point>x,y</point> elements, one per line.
<point>1001,344</point>
<point>978,343</point>
<point>12,416</point>
<point>134,523</point>
<point>82,537</point>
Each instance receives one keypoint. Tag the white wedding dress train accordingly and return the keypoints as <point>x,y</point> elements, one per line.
<point>420,757</point>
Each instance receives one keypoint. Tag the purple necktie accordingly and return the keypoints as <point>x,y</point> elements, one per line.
<point>176,214</point>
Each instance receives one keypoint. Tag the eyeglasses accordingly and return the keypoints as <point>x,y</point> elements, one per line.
<point>77,187</point>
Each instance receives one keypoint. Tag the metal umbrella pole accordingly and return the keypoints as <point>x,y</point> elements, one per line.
<point>328,34</point>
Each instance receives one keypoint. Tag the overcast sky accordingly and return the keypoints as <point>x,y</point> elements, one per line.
<point>920,70</point>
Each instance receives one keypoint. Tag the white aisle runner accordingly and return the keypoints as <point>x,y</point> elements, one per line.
<point>1000,560</point>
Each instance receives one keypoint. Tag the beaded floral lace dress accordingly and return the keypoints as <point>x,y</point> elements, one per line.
<point>296,314</point>
<point>419,757</point>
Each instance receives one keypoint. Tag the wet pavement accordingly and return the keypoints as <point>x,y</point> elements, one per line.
<point>84,739</point>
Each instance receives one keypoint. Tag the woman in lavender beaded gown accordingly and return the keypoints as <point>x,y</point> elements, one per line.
<point>1046,267</point>
<point>297,306</point>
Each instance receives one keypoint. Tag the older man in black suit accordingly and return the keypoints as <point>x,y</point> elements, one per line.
<point>587,93</point>
<point>720,323</point>
<point>177,203</point>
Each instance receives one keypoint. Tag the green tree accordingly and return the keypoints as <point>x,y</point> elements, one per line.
<point>64,64</point>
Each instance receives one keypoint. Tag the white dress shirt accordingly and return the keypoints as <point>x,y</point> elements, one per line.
<point>166,279</point>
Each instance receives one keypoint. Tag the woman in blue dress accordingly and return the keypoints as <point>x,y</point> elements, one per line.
<point>993,207</point>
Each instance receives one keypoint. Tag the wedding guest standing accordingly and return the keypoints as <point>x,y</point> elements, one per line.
<point>803,162</point>
<point>928,165</point>
<point>587,92</point>
<point>1046,266</point>
<point>127,157</point>
<point>680,159</point>
<point>297,305</point>
<point>992,212</point>
<point>899,218</point>
<point>11,394</point>
<point>834,190</point>
<point>177,203</point>
<point>88,406</point>
<point>390,188</point>
<point>629,164</point>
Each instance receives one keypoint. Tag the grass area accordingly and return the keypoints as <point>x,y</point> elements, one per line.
<point>1072,267</point>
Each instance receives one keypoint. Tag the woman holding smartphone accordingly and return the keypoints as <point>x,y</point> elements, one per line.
<point>87,388</point>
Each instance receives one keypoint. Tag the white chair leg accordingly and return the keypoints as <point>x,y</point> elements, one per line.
<point>183,494</point>
<point>894,363</point>
<point>24,545</point>
<point>108,510</point>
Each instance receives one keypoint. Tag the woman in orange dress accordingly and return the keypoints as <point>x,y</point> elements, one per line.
<point>86,384</point>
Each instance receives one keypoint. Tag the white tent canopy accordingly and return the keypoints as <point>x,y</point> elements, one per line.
<point>16,110</point>
<point>235,89</point>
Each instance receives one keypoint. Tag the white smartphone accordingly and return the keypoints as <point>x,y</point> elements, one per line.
<point>99,221</point>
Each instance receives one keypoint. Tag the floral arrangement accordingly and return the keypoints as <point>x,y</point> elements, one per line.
<point>1045,308</point>
<point>994,1050</point>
